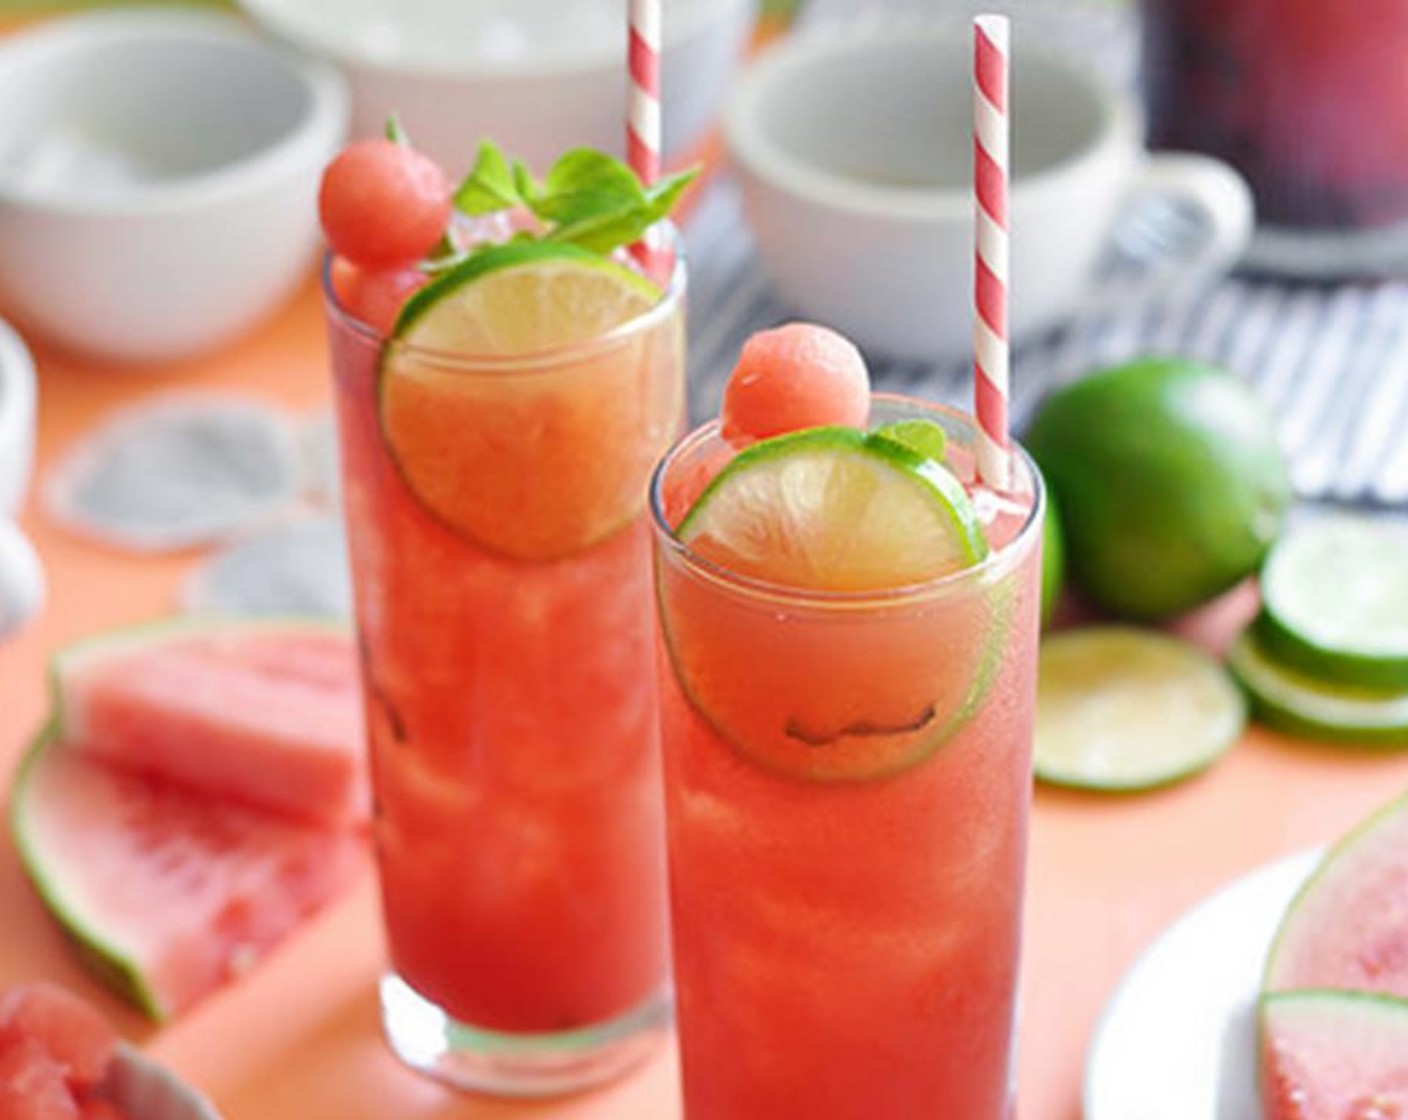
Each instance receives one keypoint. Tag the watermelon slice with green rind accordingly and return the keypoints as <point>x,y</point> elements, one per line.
<point>168,893</point>
<point>267,712</point>
<point>1347,927</point>
<point>1333,1056</point>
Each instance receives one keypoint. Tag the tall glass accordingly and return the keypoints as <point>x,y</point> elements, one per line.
<point>848,783</point>
<point>508,665</point>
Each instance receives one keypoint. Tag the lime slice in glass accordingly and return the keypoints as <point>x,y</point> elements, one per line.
<point>834,690</point>
<point>1335,597</point>
<point>1290,700</point>
<point>833,509</point>
<point>523,298</point>
<point>505,433</point>
<point>1125,709</point>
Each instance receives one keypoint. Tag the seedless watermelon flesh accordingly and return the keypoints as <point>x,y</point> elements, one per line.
<point>1348,926</point>
<point>69,1031</point>
<point>168,893</point>
<point>1334,1056</point>
<point>268,713</point>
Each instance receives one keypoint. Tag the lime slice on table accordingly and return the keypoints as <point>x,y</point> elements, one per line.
<point>1290,700</point>
<point>1335,601</point>
<point>833,692</point>
<point>519,443</point>
<point>1125,709</point>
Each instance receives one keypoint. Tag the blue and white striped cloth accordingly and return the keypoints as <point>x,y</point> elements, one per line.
<point>1330,360</point>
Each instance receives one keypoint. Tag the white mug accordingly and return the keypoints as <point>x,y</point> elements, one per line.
<point>854,150</point>
<point>21,576</point>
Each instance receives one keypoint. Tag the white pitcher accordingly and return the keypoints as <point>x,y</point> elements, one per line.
<point>21,576</point>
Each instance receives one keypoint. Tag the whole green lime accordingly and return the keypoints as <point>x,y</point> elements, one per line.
<point>1169,479</point>
<point>1053,560</point>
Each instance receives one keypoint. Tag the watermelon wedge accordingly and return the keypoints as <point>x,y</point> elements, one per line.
<point>168,893</point>
<point>268,713</point>
<point>1333,1056</point>
<point>1347,928</point>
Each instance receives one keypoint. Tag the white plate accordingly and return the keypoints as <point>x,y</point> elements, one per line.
<point>1177,1041</point>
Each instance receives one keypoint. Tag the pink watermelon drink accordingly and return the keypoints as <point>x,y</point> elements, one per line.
<point>848,690</point>
<point>497,441</point>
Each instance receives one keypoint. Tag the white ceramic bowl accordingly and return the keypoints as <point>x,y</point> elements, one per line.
<point>148,1091</point>
<point>158,178</point>
<point>21,577</point>
<point>539,76</point>
<point>16,419</point>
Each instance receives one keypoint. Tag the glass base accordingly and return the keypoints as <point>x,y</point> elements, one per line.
<point>517,1065</point>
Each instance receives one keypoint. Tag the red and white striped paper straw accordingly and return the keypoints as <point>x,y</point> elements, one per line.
<point>643,115</point>
<point>991,134</point>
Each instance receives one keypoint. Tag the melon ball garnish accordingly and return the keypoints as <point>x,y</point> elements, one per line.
<point>383,204</point>
<point>375,296</point>
<point>796,376</point>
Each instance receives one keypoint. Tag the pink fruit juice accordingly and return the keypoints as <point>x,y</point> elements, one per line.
<point>847,908</point>
<point>509,675</point>
<point>1308,98</point>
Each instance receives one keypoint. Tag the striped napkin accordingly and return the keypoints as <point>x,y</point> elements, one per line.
<point>1330,360</point>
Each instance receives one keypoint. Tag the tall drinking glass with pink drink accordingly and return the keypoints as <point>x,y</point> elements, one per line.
<point>850,622</point>
<point>505,380</point>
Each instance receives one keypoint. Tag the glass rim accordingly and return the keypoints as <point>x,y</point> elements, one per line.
<point>998,563</point>
<point>670,298</point>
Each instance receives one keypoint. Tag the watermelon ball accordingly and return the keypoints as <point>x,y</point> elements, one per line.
<point>375,296</point>
<point>383,205</point>
<point>32,1085</point>
<point>796,376</point>
<point>71,1032</point>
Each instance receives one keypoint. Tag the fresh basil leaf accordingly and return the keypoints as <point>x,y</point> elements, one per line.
<point>587,198</point>
<point>526,186</point>
<point>447,252</point>
<point>602,233</point>
<point>395,132</point>
<point>585,183</point>
<point>664,194</point>
<point>490,185</point>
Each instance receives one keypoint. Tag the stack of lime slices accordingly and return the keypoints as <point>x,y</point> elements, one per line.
<point>1327,657</point>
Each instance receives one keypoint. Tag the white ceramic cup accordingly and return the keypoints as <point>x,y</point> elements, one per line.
<point>854,149</point>
<point>21,577</point>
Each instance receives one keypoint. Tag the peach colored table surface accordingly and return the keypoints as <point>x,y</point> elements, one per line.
<point>298,1037</point>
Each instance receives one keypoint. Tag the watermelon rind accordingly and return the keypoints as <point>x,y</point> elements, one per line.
<point>1329,896</point>
<point>1361,1028</point>
<point>114,643</point>
<point>184,893</point>
<point>111,966</point>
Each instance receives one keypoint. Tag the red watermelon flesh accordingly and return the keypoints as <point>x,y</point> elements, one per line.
<point>268,713</point>
<point>32,1084</point>
<point>100,1108</point>
<point>170,893</point>
<point>1334,1056</point>
<point>71,1031</point>
<point>1348,926</point>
